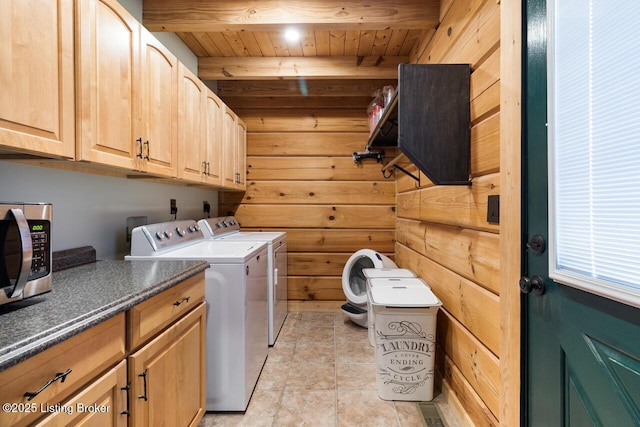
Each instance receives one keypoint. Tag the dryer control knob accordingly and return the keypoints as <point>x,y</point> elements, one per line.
<point>167,234</point>
<point>181,231</point>
<point>159,235</point>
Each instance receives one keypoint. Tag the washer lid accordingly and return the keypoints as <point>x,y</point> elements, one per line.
<point>404,296</point>
<point>370,273</point>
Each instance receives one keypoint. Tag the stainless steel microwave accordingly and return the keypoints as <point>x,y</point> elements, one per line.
<point>25,250</point>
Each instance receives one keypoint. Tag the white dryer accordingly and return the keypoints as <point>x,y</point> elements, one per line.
<point>228,229</point>
<point>236,295</point>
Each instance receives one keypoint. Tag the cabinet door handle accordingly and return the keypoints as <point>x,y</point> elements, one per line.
<point>139,140</point>
<point>204,168</point>
<point>59,376</point>
<point>126,390</point>
<point>144,390</point>
<point>148,150</point>
<point>185,299</point>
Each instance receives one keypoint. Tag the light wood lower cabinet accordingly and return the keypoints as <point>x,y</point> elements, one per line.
<point>167,375</point>
<point>53,375</point>
<point>150,317</point>
<point>102,403</point>
<point>96,379</point>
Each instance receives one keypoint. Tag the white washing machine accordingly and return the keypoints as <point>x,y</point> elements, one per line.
<point>228,229</point>
<point>236,295</point>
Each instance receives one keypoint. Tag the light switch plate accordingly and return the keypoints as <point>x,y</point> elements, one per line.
<point>493,209</point>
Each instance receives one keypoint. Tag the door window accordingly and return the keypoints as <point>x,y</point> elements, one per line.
<point>594,146</point>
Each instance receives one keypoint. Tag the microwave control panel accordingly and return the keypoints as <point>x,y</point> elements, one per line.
<point>41,244</point>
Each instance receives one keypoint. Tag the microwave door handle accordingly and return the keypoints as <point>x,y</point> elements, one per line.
<point>26,251</point>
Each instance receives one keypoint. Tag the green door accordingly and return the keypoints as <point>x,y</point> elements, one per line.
<point>580,352</point>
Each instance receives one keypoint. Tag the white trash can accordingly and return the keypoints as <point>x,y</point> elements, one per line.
<point>387,276</point>
<point>405,336</point>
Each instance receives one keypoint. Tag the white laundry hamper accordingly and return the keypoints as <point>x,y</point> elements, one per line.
<point>385,277</point>
<point>354,283</point>
<point>405,334</point>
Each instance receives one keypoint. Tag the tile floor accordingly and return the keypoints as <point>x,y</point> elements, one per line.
<point>321,372</point>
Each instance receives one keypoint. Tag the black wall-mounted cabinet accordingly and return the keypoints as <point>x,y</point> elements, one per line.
<point>428,119</point>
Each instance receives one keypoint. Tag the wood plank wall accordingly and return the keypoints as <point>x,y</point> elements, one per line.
<point>301,178</point>
<point>442,231</point>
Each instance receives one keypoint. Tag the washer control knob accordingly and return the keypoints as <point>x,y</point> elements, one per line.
<point>168,234</point>
<point>181,231</point>
<point>196,227</point>
<point>159,235</point>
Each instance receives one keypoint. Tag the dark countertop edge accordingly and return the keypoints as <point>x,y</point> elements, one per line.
<point>36,344</point>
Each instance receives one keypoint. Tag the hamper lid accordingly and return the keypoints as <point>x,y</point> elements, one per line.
<point>404,296</point>
<point>370,273</point>
<point>398,281</point>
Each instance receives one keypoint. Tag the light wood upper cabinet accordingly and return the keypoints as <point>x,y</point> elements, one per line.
<point>235,148</point>
<point>241,156</point>
<point>199,131</point>
<point>116,98</point>
<point>37,113</point>
<point>107,37</point>
<point>213,139</point>
<point>157,117</point>
<point>127,92</point>
<point>191,119</point>
<point>230,137</point>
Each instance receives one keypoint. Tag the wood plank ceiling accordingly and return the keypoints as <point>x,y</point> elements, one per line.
<point>244,40</point>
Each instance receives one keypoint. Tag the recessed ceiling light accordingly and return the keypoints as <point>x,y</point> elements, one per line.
<point>292,35</point>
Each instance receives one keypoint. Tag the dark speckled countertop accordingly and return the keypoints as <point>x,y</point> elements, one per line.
<point>80,298</point>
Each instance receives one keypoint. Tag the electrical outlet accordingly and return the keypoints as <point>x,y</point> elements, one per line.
<point>173,207</point>
<point>493,209</point>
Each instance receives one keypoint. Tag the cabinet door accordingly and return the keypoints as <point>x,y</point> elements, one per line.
<point>230,135</point>
<point>213,139</point>
<point>107,40</point>
<point>241,155</point>
<point>101,403</point>
<point>168,375</point>
<point>56,373</point>
<point>37,106</point>
<point>191,116</point>
<point>157,121</point>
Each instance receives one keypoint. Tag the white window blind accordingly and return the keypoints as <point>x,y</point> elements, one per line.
<point>594,146</point>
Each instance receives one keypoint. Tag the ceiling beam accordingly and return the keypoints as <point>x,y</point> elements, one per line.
<point>268,15</point>
<point>287,88</point>
<point>264,68</point>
